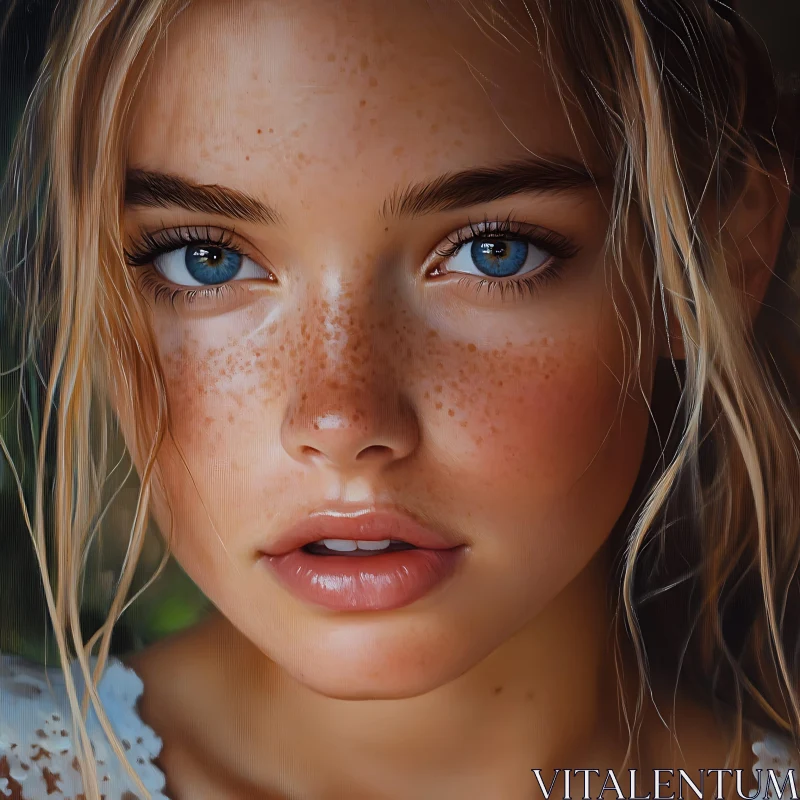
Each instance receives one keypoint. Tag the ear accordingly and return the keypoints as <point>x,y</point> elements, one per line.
<point>753,231</point>
<point>755,228</point>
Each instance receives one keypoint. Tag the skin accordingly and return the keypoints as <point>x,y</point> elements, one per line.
<point>511,424</point>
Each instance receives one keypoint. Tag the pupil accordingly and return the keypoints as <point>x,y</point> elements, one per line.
<point>496,250</point>
<point>499,257</point>
<point>211,255</point>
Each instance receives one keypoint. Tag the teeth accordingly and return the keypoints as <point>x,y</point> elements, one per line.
<point>347,545</point>
<point>342,545</point>
<point>381,545</point>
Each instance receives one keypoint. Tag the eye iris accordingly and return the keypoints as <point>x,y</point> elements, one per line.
<point>210,264</point>
<point>499,257</point>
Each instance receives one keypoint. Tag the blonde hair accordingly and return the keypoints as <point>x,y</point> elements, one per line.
<point>665,85</point>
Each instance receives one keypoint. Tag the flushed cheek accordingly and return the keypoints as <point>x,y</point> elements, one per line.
<point>535,421</point>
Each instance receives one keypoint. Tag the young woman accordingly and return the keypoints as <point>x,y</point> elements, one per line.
<point>439,337</point>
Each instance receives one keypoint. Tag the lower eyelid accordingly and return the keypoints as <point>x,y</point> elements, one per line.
<point>162,290</point>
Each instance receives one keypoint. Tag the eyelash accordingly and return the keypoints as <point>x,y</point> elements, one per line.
<point>560,248</point>
<point>151,246</point>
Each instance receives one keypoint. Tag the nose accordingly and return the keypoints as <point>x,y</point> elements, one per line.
<point>350,425</point>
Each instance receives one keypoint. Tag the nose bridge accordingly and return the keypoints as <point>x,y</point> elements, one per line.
<point>347,406</point>
<point>343,341</point>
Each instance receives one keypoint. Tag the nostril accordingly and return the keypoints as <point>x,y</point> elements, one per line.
<point>374,451</point>
<point>310,452</point>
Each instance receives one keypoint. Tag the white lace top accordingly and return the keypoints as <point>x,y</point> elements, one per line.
<point>38,761</point>
<point>36,751</point>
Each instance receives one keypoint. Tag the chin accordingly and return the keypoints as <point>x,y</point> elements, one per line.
<point>374,665</point>
<point>365,685</point>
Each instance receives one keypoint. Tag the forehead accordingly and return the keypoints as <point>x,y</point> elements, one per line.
<point>402,90</point>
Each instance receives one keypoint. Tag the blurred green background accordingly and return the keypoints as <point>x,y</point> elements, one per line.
<point>173,602</point>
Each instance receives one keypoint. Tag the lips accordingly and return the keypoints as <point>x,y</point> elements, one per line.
<point>367,526</point>
<point>362,580</point>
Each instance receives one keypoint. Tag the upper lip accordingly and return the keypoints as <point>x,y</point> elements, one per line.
<point>359,523</point>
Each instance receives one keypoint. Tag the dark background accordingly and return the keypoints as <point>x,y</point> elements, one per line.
<point>173,602</point>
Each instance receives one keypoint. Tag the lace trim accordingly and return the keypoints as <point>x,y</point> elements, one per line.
<point>36,747</point>
<point>775,753</point>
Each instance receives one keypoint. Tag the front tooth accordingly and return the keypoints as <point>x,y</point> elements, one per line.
<point>381,545</point>
<point>343,545</point>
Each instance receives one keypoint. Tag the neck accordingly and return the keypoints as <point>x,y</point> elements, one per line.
<point>543,699</point>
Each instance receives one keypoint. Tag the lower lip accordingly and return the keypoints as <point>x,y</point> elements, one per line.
<point>379,582</point>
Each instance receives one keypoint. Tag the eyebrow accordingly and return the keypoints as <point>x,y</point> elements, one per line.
<point>147,189</point>
<point>150,189</point>
<point>487,184</point>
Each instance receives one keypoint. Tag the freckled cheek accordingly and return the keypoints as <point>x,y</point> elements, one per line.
<point>545,425</point>
<point>224,407</point>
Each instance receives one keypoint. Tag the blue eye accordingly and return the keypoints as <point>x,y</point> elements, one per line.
<point>212,264</point>
<point>206,265</point>
<point>497,257</point>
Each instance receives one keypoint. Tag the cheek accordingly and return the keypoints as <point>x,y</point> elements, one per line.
<point>541,434</point>
<point>547,413</point>
<point>223,381</point>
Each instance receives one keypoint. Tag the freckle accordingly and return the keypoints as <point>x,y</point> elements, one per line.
<point>450,412</point>
<point>362,103</point>
<point>364,63</point>
<point>331,56</point>
<point>427,395</point>
<point>464,424</point>
<point>386,230</point>
<point>270,130</point>
<point>247,158</point>
<point>529,695</point>
<point>433,335</point>
<point>373,81</point>
<point>273,327</point>
<point>471,347</point>
<point>373,121</point>
<point>434,128</point>
<point>398,151</point>
<point>438,406</point>
<point>316,426</point>
<point>259,131</point>
<point>437,389</point>
<point>498,689</point>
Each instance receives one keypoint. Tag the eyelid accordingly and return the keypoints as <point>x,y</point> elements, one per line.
<point>554,243</point>
<point>150,244</point>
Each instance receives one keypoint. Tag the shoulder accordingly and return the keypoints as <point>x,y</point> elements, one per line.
<point>37,752</point>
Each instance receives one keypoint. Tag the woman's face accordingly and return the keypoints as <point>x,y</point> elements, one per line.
<point>384,327</point>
